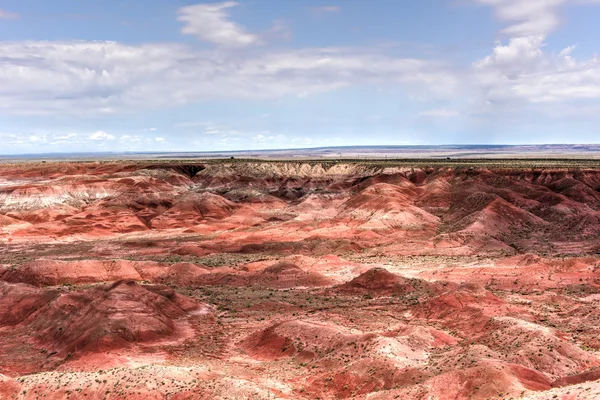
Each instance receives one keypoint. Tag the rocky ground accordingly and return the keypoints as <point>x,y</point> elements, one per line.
<point>283,280</point>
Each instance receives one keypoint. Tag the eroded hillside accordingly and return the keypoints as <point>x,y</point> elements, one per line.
<point>238,280</point>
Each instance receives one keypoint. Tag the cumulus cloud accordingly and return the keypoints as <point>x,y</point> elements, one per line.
<point>520,55</point>
<point>8,15</point>
<point>101,136</point>
<point>522,72</point>
<point>211,23</point>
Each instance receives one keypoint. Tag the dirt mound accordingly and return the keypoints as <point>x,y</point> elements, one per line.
<point>286,275</point>
<point>190,250</point>
<point>479,383</point>
<point>379,281</point>
<point>192,209</point>
<point>208,205</point>
<point>422,337</point>
<point>333,346</point>
<point>396,178</point>
<point>182,274</point>
<point>385,206</point>
<point>588,376</point>
<point>277,276</point>
<point>492,215</point>
<point>303,339</point>
<point>112,316</point>
<point>467,308</point>
<point>92,324</point>
<point>538,347</point>
<point>19,301</point>
<point>99,220</point>
<point>44,215</point>
<point>363,377</point>
<point>283,267</point>
<point>54,272</point>
<point>6,221</point>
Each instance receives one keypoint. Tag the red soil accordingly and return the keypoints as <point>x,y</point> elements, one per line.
<point>241,280</point>
<point>102,319</point>
<point>378,282</point>
<point>288,275</point>
<point>54,272</point>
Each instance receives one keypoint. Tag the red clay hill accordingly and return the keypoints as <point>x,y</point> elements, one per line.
<point>229,279</point>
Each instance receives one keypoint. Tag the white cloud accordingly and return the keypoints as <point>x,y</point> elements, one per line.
<point>191,124</point>
<point>440,113</point>
<point>43,138</point>
<point>267,138</point>
<point>526,17</point>
<point>220,130</point>
<point>100,77</point>
<point>64,137</point>
<point>210,22</point>
<point>131,138</point>
<point>520,55</point>
<point>68,138</point>
<point>8,15</point>
<point>521,72</point>
<point>95,78</point>
<point>108,77</point>
<point>101,135</point>
<point>279,30</point>
<point>579,83</point>
<point>44,142</point>
<point>326,9</point>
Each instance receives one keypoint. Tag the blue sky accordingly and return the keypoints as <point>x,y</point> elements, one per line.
<point>192,75</point>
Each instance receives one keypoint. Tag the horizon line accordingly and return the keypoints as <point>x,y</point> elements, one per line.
<point>403,146</point>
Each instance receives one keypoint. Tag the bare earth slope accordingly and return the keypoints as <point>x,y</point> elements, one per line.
<point>288,280</point>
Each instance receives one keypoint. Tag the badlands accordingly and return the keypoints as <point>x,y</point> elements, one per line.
<point>323,280</point>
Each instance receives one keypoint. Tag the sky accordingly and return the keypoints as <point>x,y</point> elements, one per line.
<point>178,75</point>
